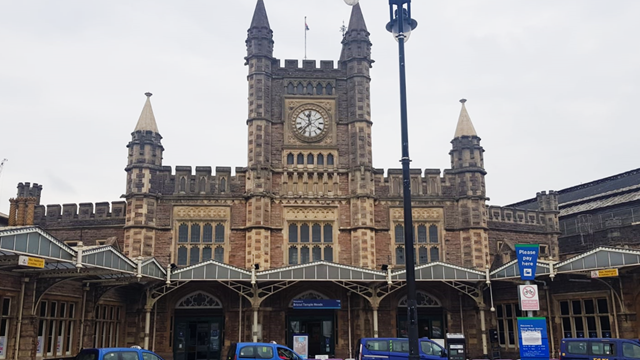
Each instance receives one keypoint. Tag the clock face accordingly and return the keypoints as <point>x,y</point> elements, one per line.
<point>309,123</point>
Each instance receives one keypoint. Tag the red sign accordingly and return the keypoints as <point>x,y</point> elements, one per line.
<point>528,295</point>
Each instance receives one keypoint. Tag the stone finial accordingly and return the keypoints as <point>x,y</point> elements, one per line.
<point>148,94</point>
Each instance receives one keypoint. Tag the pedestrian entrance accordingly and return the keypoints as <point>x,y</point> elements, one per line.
<point>430,317</point>
<point>319,330</point>
<point>198,328</point>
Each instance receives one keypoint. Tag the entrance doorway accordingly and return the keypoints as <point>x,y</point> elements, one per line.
<point>430,317</point>
<point>319,330</point>
<point>198,338</point>
<point>198,328</point>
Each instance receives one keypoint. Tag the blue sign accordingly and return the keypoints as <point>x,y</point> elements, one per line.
<point>527,260</point>
<point>534,343</point>
<point>316,304</point>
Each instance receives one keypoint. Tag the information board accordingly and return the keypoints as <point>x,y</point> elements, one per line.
<point>533,339</point>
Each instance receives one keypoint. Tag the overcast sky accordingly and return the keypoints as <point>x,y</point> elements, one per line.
<point>551,86</point>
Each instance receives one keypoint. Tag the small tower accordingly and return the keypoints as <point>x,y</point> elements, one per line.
<point>260,60</point>
<point>466,176</point>
<point>144,162</point>
<point>22,207</point>
<point>356,60</point>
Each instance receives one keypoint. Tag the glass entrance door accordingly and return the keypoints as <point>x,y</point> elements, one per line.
<point>198,338</point>
<point>320,332</point>
<point>429,326</point>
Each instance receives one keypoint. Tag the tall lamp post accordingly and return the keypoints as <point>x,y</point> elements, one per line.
<point>400,25</point>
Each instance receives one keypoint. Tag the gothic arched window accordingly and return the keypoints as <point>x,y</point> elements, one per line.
<point>300,89</point>
<point>316,235</point>
<point>329,89</point>
<point>319,89</point>
<point>435,254</point>
<point>399,255</point>
<point>422,233</point>
<point>293,233</point>
<point>182,256</point>
<point>199,299</point>
<point>399,234</point>
<point>183,184</point>
<point>219,254</point>
<point>320,159</point>
<point>309,89</point>
<point>330,159</point>
<point>310,159</point>
<point>207,233</point>
<point>206,253</point>
<point>300,159</point>
<point>195,233</point>
<point>316,253</point>
<point>293,255</point>
<point>219,233</point>
<point>328,233</point>
<point>291,89</point>
<point>194,255</point>
<point>304,233</point>
<point>328,253</point>
<point>304,255</point>
<point>290,159</point>
<point>433,234</point>
<point>423,256</point>
<point>183,233</point>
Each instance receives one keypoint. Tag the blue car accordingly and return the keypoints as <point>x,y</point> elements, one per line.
<point>397,349</point>
<point>599,349</point>
<point>261,351</point>
<point>133,353</point>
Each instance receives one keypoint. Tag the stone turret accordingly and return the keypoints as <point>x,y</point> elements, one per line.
<point>466,177</point>
<point>144,164</point>
<point>260,61</point>
<point>22,207</point>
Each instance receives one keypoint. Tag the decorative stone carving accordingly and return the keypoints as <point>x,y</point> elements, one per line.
<point>423,300</point>
<point>418,214</point>
<point>201,212</point>
<point>199,300</point>
<point>311,213</point>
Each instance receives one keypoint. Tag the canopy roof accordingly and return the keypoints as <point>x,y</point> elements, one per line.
<point>61,260</point>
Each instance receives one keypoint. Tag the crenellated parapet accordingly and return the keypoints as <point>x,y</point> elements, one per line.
<point>83,214</point>
<point>426,182</point>
<point>508,218</point>
<point>184,181</point>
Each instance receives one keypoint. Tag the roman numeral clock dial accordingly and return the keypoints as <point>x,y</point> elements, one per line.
<point>309,124</point>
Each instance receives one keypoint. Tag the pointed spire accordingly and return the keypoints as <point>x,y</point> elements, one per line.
<point>357,20</point>
<point>147,121</point>
<point>260,18</point>
<point>465,126</point>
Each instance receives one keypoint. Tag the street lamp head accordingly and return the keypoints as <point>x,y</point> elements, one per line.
<point>401,24</point>
<point>351,2</point>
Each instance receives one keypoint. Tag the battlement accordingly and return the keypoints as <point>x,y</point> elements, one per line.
<point>184,181</point>
<point>294,64</point>
<point>531,220</point>
<point>26,190</point>
<point>67,213</point>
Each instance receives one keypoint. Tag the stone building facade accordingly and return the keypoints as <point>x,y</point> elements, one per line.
<point>308,217</point>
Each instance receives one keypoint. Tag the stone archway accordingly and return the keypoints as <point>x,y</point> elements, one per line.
<point>199,300</point>
<point>431,321</point>
<point>199,324</point>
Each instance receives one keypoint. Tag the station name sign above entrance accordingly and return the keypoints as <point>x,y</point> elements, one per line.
<point>527,260</point>
<point>326,304</point>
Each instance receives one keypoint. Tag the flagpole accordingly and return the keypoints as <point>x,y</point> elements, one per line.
<point>305,38</point>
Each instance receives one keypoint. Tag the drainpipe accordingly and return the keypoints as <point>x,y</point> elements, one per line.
<point>461,314</point>
<point>25,280</point>
<point>85,290</point>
